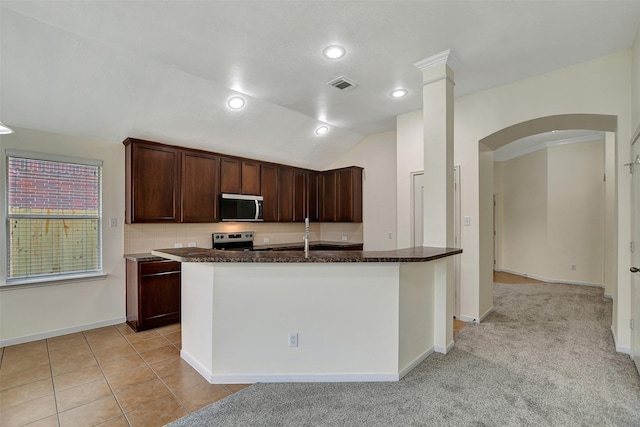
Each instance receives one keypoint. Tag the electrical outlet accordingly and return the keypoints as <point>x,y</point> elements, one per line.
<point>390,235</point>
<point>293,339</point>
<point>344,237</point>
<point>265,240</point>
<point>177,245</point>
<point>113,222</point>
<point>192,244</point>
<point>573,266</point>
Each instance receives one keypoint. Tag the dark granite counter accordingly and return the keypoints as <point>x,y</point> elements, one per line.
<point>312,245</point>
<point>421,254</point>
<point>143,257</point>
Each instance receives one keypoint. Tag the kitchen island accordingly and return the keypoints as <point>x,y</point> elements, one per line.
<point>334,316</point>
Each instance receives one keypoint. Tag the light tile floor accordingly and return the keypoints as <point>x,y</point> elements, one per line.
<point>109,376</point>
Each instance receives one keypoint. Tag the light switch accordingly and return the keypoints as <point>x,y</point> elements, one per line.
<point>467,221</point>
<point>113,222</point>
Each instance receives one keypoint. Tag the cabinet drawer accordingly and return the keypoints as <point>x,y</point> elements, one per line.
<point>156,267</point>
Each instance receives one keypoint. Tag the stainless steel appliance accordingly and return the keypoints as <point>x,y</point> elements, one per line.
<point>241,241</point>
<point>240,207</point>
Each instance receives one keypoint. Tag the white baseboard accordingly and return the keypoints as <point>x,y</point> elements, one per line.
<point>619,348</point>
<point>486,313</point>
<point>551,280</point>
<point>418,360</point>
<point>468,319</point>
<point>608,296</point>
<point>200,368</point>
<point>303,378</point>
<point>297,378</point>
<point>444,350</point>
<point>57,332</point>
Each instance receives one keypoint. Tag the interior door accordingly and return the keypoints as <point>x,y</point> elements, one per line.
<point>635,256</point>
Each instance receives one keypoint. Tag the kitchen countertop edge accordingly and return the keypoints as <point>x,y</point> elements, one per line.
<point>421,254</point>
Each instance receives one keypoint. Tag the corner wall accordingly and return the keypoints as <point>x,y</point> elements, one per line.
<point>38,312</point>
<point>377,155</point>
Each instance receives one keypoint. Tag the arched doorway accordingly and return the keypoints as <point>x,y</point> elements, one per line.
<point>593,122</point>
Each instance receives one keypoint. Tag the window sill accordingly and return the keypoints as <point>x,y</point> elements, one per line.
<point>50,281</point>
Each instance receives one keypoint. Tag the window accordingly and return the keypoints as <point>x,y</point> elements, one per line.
<point>53,217</point>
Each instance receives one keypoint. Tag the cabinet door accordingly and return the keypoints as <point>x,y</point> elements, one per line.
<point>230,175</point>
<point>300,201</point>
<point>348,187</point>
<point>285,194</point>
<point>159,300</point>
<point>327,196</point>
<point>269,191</point>
<point>152,181</point>
<point>199,188</point>
<point>250,177</point>
<point>312,196</point>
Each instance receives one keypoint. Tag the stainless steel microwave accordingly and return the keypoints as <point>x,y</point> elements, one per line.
<point>240,207</point>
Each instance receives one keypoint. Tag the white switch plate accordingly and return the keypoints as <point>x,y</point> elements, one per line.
<point>192,244</point>
<point>177,245</point>
<point>390,235</point>
<point>113,222</point>
<point>467,221</point>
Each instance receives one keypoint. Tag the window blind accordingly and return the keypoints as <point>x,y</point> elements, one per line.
<point>53,217</point>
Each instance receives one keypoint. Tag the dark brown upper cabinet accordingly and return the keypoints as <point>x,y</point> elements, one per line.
<point>230,175</point>
<point>327,195</point>
<point>166,183</point>
<point>312,195</point>
<point>199,187</point>
<point>152,190</point>
<point>340,194</point>
<point>300,200</point>
<point>349,194</point>
<point>269,191</point>
<point>250,177</point>
<point>285,194</point>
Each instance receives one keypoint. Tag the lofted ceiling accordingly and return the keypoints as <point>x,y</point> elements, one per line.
<point>164,70</point>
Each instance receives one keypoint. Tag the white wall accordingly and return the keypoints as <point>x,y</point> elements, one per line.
<point>575,212</point>
<point>409,158</point>
<point>33,313</point>
<point>524,201</point>
<point>635,82</point>
<point>377,155</point>
<point>553,206</point>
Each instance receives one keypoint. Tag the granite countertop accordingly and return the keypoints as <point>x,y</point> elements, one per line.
<point>143,257</point>
<point>300,245</point>
<point>420,254</point>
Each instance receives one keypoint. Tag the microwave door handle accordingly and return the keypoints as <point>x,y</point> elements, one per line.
<point>257,210</point>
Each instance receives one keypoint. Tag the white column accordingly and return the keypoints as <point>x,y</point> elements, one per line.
<point>437,95</point>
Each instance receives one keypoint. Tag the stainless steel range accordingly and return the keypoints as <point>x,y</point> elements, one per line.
<point>241,241</point>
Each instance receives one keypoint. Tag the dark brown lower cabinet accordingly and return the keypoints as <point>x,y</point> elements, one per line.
<point>153,294</point>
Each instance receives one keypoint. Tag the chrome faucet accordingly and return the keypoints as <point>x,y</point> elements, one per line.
<point>306,237</point>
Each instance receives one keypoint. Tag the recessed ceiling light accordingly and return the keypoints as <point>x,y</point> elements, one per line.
<point>399,93</point>
<point>235,103</point>
<point>334,52</point>
<point>322,130</point>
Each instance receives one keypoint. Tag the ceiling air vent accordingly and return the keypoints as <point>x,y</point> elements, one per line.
<point>343,83</point>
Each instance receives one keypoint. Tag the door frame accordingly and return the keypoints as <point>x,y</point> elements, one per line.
<point>635,253</point>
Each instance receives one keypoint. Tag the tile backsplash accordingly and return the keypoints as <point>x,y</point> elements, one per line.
<point>142,238</point>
